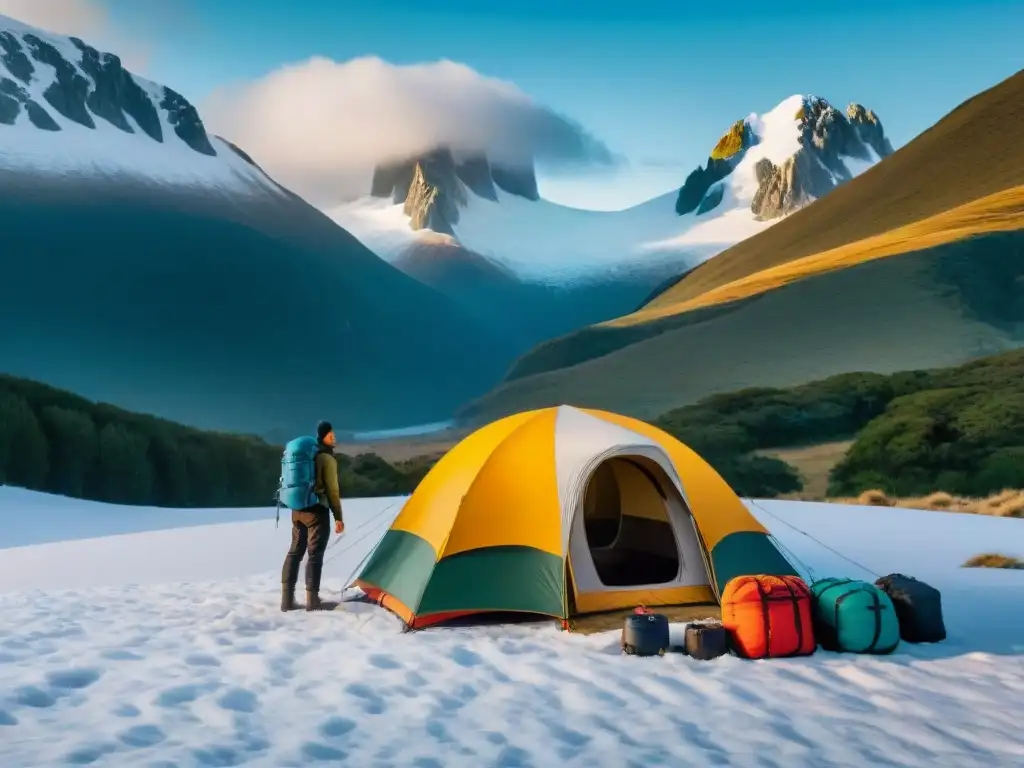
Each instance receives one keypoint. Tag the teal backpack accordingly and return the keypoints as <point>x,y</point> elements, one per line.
<point>298,475</point>
<point>853,616</point>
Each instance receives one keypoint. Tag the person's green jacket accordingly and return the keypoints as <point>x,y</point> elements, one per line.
<point>326,486</point>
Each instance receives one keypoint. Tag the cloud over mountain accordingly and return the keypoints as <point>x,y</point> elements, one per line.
<point>320,126</point>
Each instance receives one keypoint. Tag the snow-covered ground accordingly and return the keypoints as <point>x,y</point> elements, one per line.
<point>165,647</point>
<point>544,240</point>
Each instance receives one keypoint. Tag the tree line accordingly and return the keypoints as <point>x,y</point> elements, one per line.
<point>54,441</point>
<point>958,429</point>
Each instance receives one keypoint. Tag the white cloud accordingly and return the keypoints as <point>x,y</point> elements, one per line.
<point>88,19</point>
<point>320,126</point>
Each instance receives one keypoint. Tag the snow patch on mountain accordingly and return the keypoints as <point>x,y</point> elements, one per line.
<point>68,110</point>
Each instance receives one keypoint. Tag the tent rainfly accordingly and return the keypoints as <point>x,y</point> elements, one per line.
<point>564,512</point>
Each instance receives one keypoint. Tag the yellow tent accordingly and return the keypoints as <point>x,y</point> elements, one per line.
<point>565,511</point>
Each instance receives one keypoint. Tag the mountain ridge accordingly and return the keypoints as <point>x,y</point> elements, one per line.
<point>182,276</point>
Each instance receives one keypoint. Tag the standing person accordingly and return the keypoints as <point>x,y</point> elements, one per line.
<point>311,527</point>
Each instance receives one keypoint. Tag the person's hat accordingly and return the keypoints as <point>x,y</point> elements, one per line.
<point>322,429</point>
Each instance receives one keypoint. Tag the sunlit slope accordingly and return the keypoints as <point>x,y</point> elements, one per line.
<point>999,212</point>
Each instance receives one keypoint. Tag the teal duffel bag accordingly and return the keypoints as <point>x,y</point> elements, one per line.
<point>853,616</point>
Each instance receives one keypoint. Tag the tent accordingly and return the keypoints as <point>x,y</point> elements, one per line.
<point>565,511</point>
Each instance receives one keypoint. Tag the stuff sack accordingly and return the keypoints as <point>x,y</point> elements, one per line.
<point>768,616</point>
<point>918,608</point>
<point>298,474</point>
<point>645,634</point>
<point>854,616</point>
<point>706,640</point>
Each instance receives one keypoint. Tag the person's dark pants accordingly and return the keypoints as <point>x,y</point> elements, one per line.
<point>311,530</point>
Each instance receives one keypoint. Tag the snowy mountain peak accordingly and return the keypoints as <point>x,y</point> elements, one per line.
<point>434,186</point>
<point>66,107</point>
<point>48,78</point>
<point>763,167</point>
<point>807,147</point>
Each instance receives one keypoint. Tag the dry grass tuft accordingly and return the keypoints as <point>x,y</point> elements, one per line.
<point>874,499</point>
<point>1006,503</point>
<point>995,560</point>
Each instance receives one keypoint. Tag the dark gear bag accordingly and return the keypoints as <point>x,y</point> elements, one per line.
<point>706,640</point>
<point>645,633</point>
<point>918,608</point>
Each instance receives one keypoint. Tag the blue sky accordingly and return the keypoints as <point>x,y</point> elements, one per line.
<point>657,81</point>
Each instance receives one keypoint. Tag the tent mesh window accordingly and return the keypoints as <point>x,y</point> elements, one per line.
<point>626,521</point>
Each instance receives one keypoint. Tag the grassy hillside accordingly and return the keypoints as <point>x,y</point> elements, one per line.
<point>52,440</point>
<point>933,308</point>
<point>887,272</point>
<point>999,212</point>
<point>959,430</point>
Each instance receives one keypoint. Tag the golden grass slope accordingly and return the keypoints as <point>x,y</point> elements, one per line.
<point>999,212</point>
<point>969,154</point>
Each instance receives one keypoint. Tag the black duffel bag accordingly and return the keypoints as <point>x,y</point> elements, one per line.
<point>918,608</point>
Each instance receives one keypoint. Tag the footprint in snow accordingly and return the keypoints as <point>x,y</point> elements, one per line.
<point>73,679</point>
<point>336,727</point>
<point>238,700</point>
<point>88,754</point>
<point>465,657</point>
<point>373,704</point>
<point>314,751</point>
<point>181,694</point>
<point>31,696</point>
<point>513,757</point>
<point>119,654</point>
<point>141,736</point>
<point>219,757</point>
<point>382,661</point>
<point>202,660</point>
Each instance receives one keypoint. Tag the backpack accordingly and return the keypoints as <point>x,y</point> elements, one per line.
<point>854,616</point>
<point>298,475</point>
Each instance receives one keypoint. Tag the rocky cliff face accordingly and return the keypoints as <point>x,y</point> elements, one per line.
<point>828,140</point>
<point>87,86</point>
<point>725,156</point>
<point>435,185</point>
<point>435,193</point>
<point>827,136</point>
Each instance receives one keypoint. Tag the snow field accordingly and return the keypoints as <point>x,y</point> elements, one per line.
<point>171,659</point>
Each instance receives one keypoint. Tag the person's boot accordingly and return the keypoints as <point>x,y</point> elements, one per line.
<point>287,598</point>
<point>314,603</point>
